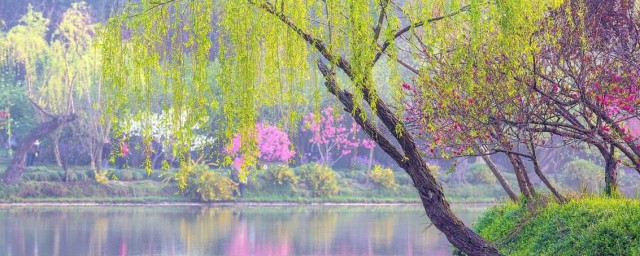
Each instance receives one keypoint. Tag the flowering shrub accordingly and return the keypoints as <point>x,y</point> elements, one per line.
<point>384,177</point>
<point>273,143</point>
<point>273,146</point>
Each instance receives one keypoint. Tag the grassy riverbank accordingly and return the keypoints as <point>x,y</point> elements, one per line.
<point>590,225</point>
<point>149,191</point>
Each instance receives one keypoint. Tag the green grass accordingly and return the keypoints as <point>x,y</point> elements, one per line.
<point>590,225</point>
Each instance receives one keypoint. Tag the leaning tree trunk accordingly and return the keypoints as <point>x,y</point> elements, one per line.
<point>440,213</point>
<point>409,159</point>
<point>543,178</point>
<point>503,182</point>
<point>13,173</point>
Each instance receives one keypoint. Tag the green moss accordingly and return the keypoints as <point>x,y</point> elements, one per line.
<point>594,225</point>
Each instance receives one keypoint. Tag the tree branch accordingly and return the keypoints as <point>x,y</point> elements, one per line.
<point>378,28</point>
<point>408,28</point>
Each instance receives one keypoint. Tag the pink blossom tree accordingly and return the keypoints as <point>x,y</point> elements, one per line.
<point>331,137</point>
<point>273,146</point>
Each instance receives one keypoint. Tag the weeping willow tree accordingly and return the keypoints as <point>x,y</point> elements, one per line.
<point>55,69</point>
<point>155,57</point>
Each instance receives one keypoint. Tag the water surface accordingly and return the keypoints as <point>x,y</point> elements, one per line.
<point>201,230</point>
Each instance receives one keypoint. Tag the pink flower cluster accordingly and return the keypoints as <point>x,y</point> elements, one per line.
<point>333,139</point>
<point>273,145</point>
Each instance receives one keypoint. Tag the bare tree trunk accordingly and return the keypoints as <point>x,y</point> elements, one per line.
<point>369,164</point>
<point>56,151</point>
<point>13,173</point>
<point>503,182</point>
<point>440,214</point>
<point>543,178</point>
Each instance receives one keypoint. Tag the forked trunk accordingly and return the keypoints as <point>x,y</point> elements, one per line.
<point>526,188</point>
<point>13,173</point>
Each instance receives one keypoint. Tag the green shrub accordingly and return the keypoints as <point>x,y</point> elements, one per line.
<point>78,176</point>
<point>384,178</point>
<point>479,173</point>
<point>138,175</point>
<point>583,174</point>
<point>402,178</point>
<point>359,176</point>
<point>435,171</point>
<point>282,177</point>
<point>594,226</point>
<point>320,179</point>
<point>124,175</point>
<point>208,185</point>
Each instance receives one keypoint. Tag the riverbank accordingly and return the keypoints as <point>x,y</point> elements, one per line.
<point>295,186</point>
<point>592,225</point>
<point>159,192</point>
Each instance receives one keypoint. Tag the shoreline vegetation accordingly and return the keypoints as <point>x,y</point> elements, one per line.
<point>277,185</point>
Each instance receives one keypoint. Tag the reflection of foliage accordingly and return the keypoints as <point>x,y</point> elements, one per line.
<point>321,179</point>
<point>384,229</point>
<point>479,173</point>
<point>384,177</point>
<point>323,226</point>
<point>197,231</point>
<point>583,173</point>
<point>282,176</point>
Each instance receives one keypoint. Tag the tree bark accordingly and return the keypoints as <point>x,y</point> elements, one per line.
<point>610,169</point>
<point>440,213</point>
<point>13,173</point>
<point>56,150</point>
<point>521,175</point>
<point>503,182</point>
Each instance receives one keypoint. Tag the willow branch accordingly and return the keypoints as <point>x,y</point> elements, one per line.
<point>307,36</point>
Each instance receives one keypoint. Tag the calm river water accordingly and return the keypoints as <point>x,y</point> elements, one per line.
<point>246,230</point>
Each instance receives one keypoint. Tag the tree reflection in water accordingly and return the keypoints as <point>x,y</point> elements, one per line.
<point>193,230</point>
